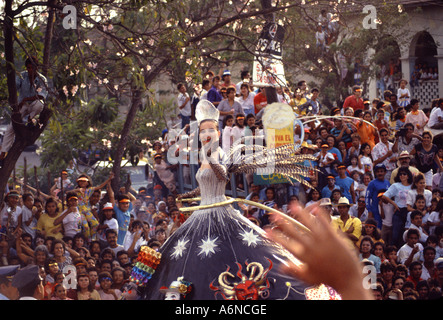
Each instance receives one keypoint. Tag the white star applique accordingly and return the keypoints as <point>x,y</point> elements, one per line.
<point>179,248</point>
<point>208,247</point>
<point>250,238</point>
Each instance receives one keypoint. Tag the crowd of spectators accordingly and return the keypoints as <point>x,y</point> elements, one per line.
<point>377,175</point>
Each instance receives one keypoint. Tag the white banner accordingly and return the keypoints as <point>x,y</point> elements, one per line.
<point>268,66</point>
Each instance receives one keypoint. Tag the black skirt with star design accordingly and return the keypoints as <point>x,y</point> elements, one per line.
<point>223,255</point>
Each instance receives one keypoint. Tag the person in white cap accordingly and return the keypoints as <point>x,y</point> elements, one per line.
<point>404,160</point>
<point>226,78</point>
<point>351,226</point>
<point>109,221</point>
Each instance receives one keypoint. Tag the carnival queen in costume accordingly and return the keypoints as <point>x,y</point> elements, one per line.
<point>218,251</point>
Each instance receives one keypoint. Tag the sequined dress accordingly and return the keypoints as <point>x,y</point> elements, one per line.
<point>219,239</point>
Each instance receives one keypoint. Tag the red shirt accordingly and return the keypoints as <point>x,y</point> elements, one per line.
<point>352,102</point>
<point>259,99</point>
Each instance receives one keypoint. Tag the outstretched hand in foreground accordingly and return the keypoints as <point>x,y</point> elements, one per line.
<point>324,253</point>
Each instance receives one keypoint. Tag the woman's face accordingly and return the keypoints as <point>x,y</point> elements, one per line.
<point>82,183</point>
<point>349,113</point>
<point>398,283</point>
<point>79,242</point>
<point>403,177</point>
<point>58,250</point>
<point>330,141</point>
<point>426,139</point>
<point>378,250</point>
<point>29,202</point>
<point>51,208</point>
<point>384,136</point>
<point>369,229</point>
<point>244,91</point>
<point>118,277</point>
<point>270,194</point>
<point>421,184</point>
<point>230,122</point>
<point>40,257</point>
<point>366,180</point>
<point>315,195</point>
<point>367,117</point>
<point>209,132</point>
<point>83,282</point>
<point>106,284</point>
<point>336,196</point>
<point>13,201</point>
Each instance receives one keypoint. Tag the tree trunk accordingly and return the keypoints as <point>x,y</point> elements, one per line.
<point>48,37</point>
<point>136,102</point>
<point>24,136</point>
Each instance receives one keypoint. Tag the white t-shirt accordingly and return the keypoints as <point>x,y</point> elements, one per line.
<point>186,111</point>
<point>433,217</point>
<point>129,238</point>
<point>356,168</point>
<point>112,224</point>
<point>323,161</point>
<point>367,164</point>
<point>412,194</point>
<point>404,252</point>
<point>72,223</point>
<point>423,236</point>
<point>26,215</point>
<point>228,138</point>
<point>388,210</point>
<point>399,192</point>
<point>433,118</point>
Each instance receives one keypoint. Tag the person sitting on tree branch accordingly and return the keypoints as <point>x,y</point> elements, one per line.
<point>32,90</point>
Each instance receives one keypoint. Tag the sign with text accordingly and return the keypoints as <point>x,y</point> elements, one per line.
<point>275,138</point>
<point>268,66</point>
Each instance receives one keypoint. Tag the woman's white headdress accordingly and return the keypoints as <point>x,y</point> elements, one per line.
<point>205,110</point>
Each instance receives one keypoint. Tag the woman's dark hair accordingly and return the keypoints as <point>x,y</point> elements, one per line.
<point>376,234</point>
<point>85,275</point>
<point>245,85</point>
<point>312,191</point>
<point>404,170</point>
<point>57,241</point>
<point>419,176</point>
<point>428,133</point>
